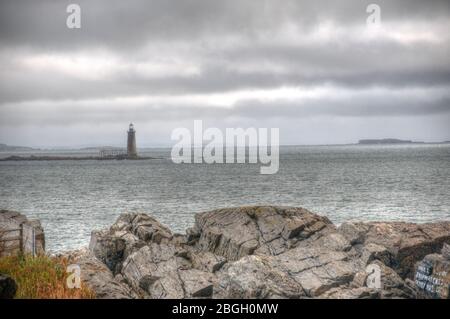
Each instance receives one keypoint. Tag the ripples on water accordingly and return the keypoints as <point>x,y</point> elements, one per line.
<point>404,182</point>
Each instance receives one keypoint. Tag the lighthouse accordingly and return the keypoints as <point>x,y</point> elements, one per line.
<point>131,145</point>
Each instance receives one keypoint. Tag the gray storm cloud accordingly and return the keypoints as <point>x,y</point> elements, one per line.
<point>234,63</point>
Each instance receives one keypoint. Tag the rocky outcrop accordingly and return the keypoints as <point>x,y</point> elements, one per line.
<point>8,287</point>
<point>262,252</point>
<point>14,225</point>
<point>130,233</point>
<point>234,233</point>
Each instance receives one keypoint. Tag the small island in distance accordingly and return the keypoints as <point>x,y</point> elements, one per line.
<point>13,148</point>
<point>387,141</point>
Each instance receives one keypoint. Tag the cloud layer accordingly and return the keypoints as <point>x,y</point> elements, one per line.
<point>234,63</point>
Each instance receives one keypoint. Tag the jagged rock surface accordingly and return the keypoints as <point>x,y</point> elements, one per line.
<point>99,277</point>
<point>264,252</point>
<point>237,232</point>
<point>406,243</point>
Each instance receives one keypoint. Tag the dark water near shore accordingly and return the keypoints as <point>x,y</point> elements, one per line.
<point>401,182</point>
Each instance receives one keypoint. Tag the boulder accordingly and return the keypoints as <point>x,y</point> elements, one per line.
<point>129,233</point>
<point>237,232</point>
<point>164,271</point>
<point>154,265</point>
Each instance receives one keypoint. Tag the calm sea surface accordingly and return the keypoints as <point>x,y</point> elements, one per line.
<point>71,198</point>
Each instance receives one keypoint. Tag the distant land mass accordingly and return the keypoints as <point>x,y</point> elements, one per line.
<point>11,148</point>
<point>98,148</point>
<point>14,148</point>
<point>387,141</point>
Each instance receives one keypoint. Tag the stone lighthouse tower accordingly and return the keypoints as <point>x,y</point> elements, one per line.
<point>131,145</point>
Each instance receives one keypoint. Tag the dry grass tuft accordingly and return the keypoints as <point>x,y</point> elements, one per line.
<point>41,277</point>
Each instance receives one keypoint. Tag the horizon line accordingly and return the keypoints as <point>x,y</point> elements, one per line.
<point>81,147</point>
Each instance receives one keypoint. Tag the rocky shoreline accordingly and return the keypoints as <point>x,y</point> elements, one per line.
<point>260,252</point>
<point>266,252</point>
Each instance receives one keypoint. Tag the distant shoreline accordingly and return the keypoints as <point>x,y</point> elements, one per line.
<point>364,142</point>
<point>73,158</point>
<point>387,141</point>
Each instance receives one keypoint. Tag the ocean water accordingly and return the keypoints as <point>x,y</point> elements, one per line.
<point>366,183</point>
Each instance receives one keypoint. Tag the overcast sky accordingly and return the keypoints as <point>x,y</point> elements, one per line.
<point>312,68</point>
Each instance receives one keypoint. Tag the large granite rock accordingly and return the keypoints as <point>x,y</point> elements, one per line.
<point>10,223</point>
<point>264,252</point>
<point>128,234</point>
<point>237,232</point>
